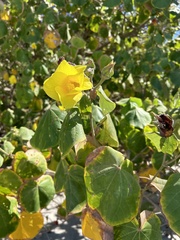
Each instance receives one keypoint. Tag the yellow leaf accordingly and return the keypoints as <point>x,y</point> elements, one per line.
<point>94,227</point>
<point>29,226</point>
<point>14,71</point>
<point>12,79</point>
<point>33,46</point>
<point>145,173</point>
<point>5,16</point>
<point>52,39</point>
<point>6,75</point>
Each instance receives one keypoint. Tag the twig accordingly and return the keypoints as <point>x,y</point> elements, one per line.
<point>151,180</point>
<point>139,153</point>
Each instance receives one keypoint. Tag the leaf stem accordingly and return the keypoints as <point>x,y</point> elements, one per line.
<point>95,142</point>
<point>99,83</point>
<point>1,150</point>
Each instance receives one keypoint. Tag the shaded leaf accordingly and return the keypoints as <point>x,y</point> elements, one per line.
<point>60,175</point>
<point>135,140</point>
<point>46,190</point>
<point>9,180</point>
<point>9,216</point>
<point>3,29</point>
<point>128,5</point>
<point>111,3</point>
<point>75,189</point>
<point>175,76</point>
<point>170,203</point>
<point>161,3</point>
<point>36,195</point>
<point>72,131</point>
<point>48,132</point>
<point>78,42</point>
<point>149,229</point>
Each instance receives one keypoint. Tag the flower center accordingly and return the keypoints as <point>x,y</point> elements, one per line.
<point>71,85</point>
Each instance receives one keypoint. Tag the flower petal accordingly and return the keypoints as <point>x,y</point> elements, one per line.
<point>57,79</point>
<point>66,68</point>
<point>69,101</point>
<point>80,68</point>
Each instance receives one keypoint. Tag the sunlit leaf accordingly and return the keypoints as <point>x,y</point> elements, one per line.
<point>94,227</point>
<point>8,147</point>
<point>158,183</point>
<point>3,29</point>
<point>29,226</point>
<point>166,145</point>
<point>138,117</point>
<point>25,133</point>
<point>60,175</point>
<point>29,164</point>
<point>108,182</point>
<point>1,160</point>
<point>107,135</point>
<point>105,103</point>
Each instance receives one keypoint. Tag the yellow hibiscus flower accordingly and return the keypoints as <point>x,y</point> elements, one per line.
<point>67,83</point>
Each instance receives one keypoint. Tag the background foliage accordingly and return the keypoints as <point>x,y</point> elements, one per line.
<point>134,46</point>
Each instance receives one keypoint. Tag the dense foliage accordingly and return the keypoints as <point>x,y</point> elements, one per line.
<point>106,153</point>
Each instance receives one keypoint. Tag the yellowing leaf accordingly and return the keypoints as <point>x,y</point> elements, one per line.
<point>94,227</point>
<point>29,226</point>
<point>5,16</point>
<point>14,71</point>
<point>91,226</point>
<point>33,46</point>
<point>145,173</point>
<point>5,75</point>
<point>51,39</point>
<point>12,79</point>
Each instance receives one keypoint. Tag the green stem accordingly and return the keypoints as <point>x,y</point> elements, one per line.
<point>157,173</point>
<point>99,83</point>
<point>137,155</point>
